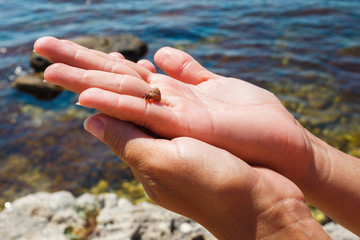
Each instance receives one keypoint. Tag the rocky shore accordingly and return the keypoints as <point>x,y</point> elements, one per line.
<point>61,216</point>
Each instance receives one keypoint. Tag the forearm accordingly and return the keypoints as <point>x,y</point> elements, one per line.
<point>333,184</point>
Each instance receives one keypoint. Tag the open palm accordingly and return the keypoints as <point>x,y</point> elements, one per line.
<point>229,113</point>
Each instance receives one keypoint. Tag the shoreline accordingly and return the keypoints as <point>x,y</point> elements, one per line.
<point>62,216</point>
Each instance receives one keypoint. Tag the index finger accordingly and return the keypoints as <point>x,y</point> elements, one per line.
<point>78,80</point>
<point>70,53</point>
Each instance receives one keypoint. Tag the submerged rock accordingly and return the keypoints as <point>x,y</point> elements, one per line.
<point>38,62</point>
<point>128,45</point>
<point>35,85</point>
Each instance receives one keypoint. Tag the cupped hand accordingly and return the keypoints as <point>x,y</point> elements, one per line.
<point>229,113</point>
<point>213,187</point>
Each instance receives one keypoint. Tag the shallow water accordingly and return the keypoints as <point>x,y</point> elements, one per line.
<point>306,52</point>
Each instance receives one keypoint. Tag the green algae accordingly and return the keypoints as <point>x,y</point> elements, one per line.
<point>131,189</point>
<point>88,226</point>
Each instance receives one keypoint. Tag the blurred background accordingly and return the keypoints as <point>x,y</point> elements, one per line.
<point>306,52</point>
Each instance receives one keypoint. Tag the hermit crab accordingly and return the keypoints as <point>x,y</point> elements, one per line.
<point>153,95</point>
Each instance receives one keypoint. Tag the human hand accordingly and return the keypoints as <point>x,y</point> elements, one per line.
<point>232,114</point>
<point>244,119</point>
<point>213,187</point>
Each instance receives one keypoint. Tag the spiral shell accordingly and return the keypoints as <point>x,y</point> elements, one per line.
<point>154,95</point>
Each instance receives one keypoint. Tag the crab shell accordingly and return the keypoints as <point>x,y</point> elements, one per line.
<point>154,95</point>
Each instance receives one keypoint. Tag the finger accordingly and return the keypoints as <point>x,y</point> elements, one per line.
<point>63,50</point>
<point>136,148</point>
<point>182,66</point>
<point>147,64</point>
<point>120,136</point>
<point>111,56</point>
<point>117,55</point>
<point>114,56</point>
<point>128,108</point>
<point>70,53</point>
<point>78,80</point>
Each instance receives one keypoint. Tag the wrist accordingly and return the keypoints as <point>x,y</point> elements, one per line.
<point>319,166</point>
<point>331,184</point>
<point>299,162</point>
<point>290,219</point>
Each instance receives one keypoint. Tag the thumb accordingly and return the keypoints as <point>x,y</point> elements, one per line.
<point>126,140</point>
<point>130,144</point>
<point>147,157</point>
<point>181,66</point>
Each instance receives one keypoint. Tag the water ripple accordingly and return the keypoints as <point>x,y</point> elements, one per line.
<point>306,52</point>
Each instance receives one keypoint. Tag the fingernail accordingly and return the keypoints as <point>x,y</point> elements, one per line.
<point>95,126</point>
<point>117,56</point>
<point>79,104</point>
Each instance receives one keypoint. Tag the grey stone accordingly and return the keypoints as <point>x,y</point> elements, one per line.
<point>124,203</point>
<point>108,200</point>
<point>88,201</point>
<point>185,227</point>
<point>35,85</point>
<point>46,216</point>
<point>38,62</point>
<point>338,232</point>
<point>32,217</point>
<point>127,44</point>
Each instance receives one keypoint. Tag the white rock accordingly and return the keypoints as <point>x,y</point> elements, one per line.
<point>108,200</point>
<point>88,201</point>
<point>124,204</point>
<point>45,216</point>
<point>338,232</point>
<point>185,228</point>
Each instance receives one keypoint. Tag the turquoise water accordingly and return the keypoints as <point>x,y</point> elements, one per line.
<point>306,52</point>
